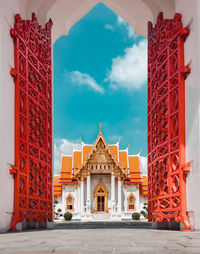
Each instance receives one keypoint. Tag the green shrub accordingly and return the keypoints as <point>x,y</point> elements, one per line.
<point>143,213</point>
<point>68,216</point>
<point>55,201</point>
<point>135,216</point>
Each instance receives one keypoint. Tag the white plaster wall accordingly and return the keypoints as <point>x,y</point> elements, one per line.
<point>7,11</point>
<point>190,11</point>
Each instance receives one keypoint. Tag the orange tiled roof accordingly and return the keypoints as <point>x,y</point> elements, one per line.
<point>134,168</point>
<point>86,151</point>
<point>66,169</point>
<point>123,159</point>
<point>144,187</point>
<point>77,155</point>
<point>114,150</point>
<point>127,162</point>
<point>57,187</point>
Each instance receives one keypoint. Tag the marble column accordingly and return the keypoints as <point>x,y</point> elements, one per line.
<point>63,200</point>
<point>82,196</point>
<point>125,198</point>
<point>88,193</point>
<point>76,198</point>
<point>79,197</point>
<point>113,191</point>
<point>119,196</point>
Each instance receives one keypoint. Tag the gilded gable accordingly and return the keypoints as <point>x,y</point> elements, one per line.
<point>100,156</point>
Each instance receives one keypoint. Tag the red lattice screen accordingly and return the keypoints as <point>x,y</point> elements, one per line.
<point>167,168</point>
<point>33,121</point>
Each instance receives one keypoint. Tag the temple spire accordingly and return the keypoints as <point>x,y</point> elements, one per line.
<point>100,128</point>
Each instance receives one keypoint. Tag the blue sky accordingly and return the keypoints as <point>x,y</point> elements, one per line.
<point>100,76</point>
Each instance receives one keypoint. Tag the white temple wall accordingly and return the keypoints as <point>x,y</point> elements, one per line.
<point>190,11</point>
<point>59,205</point>
<point>135,190</point>
<point>141,202</point>
<point>68,189</point>
<point>85,192</point>
<point>106,179</point>
<point>116,190</point>
<point>123,198</point>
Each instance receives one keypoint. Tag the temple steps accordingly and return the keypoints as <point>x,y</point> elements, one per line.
<point>101,216</point>
<point>102,224</point>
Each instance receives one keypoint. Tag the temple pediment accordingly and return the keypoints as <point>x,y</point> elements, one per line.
<point>100,156</point>
<point>100,160</point>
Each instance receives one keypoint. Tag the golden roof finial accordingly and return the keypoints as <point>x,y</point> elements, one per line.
<point>100,127</point>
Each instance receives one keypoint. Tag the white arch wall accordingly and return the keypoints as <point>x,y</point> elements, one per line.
<point>7,10</point>
<point>65,13</point>
<point>191,14</point>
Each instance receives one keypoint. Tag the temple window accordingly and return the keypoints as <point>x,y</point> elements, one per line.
<point>104,166</point>
<point>92,167</point>
<point>100,167</point>
<point>108,166</point>
<point>131,202</point>
<point>69,203</point>
<point>96,167</point>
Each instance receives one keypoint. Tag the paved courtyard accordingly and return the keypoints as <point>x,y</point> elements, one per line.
<point>74,241</point>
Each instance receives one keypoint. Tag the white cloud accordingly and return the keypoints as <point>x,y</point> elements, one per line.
<point>130,71</point>
<point>64,147</point>
<point>109,27</point>
<point>143,164</point>
<point>79,78</point>
<point>128,28</point>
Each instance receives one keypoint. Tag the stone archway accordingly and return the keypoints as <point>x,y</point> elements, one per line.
<point>168,67</point>
<point>100,198</point>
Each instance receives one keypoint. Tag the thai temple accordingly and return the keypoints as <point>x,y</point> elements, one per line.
<point>100,182</point>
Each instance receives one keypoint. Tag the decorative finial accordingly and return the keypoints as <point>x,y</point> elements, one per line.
<point>100,127</point>
<point>80,140</point>
<point>140,152</point>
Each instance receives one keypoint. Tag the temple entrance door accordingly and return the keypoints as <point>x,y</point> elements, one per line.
<point>100,198</point>
<point>100,204</point>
